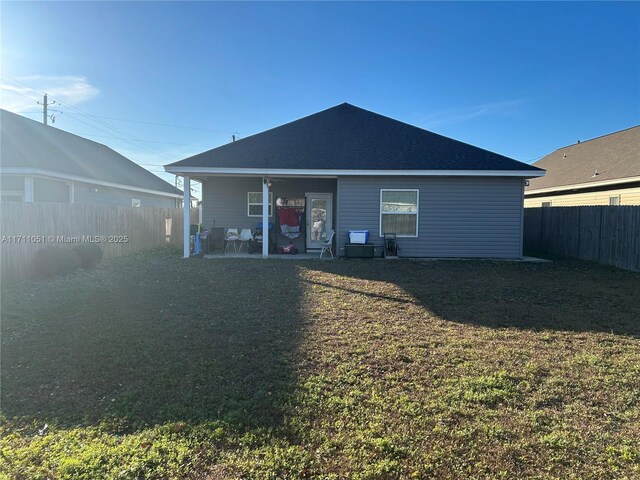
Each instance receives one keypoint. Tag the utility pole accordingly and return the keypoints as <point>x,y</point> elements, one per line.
<point>45,104</point>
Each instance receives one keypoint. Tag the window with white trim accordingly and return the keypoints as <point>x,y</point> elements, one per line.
<point>546,204</point>
<point>614,201</point>
<point>399,212</point>
<point>254,204</point>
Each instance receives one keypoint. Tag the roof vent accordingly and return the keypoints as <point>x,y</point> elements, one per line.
<point>564,155</point>
<point>578,141</point>
<point>595,174</point>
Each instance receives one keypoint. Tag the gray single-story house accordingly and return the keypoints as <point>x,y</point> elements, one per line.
<point>347,168</point>
<point>41,163</point>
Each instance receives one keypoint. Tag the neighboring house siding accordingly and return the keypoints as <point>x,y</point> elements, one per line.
<point>12,188</point>
<point>627,196</point>
<point>86,193</point>
<point>458,217</point>
<point>54,190</point>
<point>49,190</point>
<point>225,199</point>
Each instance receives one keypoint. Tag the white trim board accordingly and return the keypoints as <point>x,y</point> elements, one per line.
<point>63,176</point>
<point>336,173</point>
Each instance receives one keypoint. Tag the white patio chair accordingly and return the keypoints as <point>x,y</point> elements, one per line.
<point>231,239</point>
<point>246,236</point>
<point>327,245</point>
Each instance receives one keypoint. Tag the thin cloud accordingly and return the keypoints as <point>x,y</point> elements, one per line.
<point>23,94</point>
<point>461,114</point>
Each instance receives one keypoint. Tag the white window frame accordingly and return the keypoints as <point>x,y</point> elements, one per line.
<point>254,203</point>
<point>616,198</point>
<point>548,204</point>
<point>417,214</point>
<point>134,201</point>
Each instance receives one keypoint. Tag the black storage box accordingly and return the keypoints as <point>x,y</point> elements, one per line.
<point>354,250</point>
<point>215,239</point>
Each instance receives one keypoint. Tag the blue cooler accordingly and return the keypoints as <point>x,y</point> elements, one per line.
<point>359,237</point>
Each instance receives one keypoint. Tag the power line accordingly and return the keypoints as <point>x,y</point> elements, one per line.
<point>148,141</point>
<point>168,125</point>
<point>100,122</point>
<point>128,136</point>
<point>137,121</point>
<point>25,96</point>
<point>120,138</point>
<point>125,140</point>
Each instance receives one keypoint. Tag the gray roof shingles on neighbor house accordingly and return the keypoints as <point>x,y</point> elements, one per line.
<point>615,156</point>
<point>346,137</point>
<point>27,144</point>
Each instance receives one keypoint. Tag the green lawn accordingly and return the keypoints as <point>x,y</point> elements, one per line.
<point>158,367</point>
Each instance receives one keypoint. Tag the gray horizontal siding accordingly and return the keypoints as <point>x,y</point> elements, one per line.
<point>458,216</point>
<point>47,190</point>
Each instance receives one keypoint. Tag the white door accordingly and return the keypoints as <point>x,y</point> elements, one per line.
<point>319,218</point>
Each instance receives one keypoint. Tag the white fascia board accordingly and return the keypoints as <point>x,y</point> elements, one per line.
<point>337,173</point>
<point>74,178</point>
<point>580,186</point>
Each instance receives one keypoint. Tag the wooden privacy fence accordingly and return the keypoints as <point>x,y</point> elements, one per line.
<point>28,227</point>
<point>609,235</point>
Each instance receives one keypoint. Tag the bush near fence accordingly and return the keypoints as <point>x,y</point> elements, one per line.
<point>604,234</point>
<point>28,227</point>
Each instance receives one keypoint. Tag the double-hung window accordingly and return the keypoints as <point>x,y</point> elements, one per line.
<point>254,204</point>
<point>399,212</point>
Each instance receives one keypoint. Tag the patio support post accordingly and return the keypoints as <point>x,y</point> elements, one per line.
<point>28,189</point>
<point>265,217</point>
<point>186,185</point>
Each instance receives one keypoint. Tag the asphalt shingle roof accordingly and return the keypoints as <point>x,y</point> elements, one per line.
<point>614,156</point>
<point>351,138</point>
<point>29,144</point>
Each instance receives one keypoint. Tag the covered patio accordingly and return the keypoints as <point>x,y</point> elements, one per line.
<point>300,211</point>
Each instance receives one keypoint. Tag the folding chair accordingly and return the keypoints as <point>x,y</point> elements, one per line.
<point>245,237</point>
<point>231,238</point>
<point>327,245</point>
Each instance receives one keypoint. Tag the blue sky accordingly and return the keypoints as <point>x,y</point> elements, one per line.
<point>521,79</point>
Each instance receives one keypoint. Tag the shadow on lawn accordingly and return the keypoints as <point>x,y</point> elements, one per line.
<point>147,341</point>
<point>564,295</point>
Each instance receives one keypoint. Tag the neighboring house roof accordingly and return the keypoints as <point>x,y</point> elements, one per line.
<point>347,138</point>
<point>28,146</point>
<point>615,157</point>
